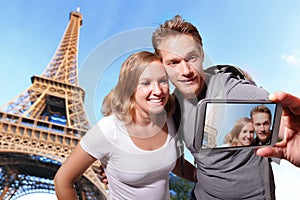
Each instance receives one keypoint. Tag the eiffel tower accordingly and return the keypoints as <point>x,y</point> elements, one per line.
<point>43,124</point>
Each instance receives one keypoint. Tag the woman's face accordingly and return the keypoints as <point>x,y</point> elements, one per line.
<point>246,135</point>
<point>152,92</point>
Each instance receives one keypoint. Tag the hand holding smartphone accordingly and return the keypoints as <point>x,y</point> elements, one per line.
<point>235,124</point>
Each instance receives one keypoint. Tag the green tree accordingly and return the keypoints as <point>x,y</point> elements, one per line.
<point>180,188</point>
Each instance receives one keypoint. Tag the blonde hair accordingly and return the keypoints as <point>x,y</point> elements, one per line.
<point>173,27</point>
<point>120,101</point>
<point>106,108</point>
<point>232,137</point>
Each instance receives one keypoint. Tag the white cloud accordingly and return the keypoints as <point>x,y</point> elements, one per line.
<point>292,59</point>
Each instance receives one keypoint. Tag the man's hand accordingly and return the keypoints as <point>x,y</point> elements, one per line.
<point>99,170</point>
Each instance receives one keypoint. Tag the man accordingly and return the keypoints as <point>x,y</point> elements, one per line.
<point>261,117</point>
<point>238,174</point>
<point>289,148</point>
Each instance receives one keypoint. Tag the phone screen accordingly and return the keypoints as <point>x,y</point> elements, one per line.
<point>236,124</point>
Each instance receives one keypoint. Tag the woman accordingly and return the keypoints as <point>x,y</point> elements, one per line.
<point>136,140</point>
<point>242,134</point>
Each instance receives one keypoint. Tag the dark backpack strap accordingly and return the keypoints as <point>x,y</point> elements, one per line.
<point>177,121</point>
<point>177,113</point>
<point>236,72</point>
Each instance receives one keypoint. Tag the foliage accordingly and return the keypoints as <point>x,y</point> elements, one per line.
<point>180,189</point>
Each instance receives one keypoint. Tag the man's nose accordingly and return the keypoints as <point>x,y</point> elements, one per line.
<point>186,68</point>
<point>262,128</point>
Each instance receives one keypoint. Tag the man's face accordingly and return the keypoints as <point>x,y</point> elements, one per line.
<point>262,126</point>
<point>183,58</point>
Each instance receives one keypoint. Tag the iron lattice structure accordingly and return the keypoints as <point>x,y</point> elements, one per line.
<point>42,125</point>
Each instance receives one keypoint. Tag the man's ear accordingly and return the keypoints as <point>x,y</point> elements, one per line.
<point>202,53</point>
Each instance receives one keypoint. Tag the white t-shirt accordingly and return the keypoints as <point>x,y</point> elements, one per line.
<point>132,173</point>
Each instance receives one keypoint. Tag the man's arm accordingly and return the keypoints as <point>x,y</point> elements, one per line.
<point>189,172</point>
<point>289,148</point>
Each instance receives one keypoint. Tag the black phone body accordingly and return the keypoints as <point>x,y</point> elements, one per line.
<point>217,120</point>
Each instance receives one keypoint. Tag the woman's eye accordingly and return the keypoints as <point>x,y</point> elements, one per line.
<point>163,81</point>
<point>145,83</point>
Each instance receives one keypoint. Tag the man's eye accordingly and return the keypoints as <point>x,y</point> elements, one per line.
<point>193,58</point>
<point>172,63</point>
<point>266,123</point>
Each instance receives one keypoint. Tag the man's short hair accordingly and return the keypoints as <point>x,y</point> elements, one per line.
<point>261,109</point>
<point>173,27</point>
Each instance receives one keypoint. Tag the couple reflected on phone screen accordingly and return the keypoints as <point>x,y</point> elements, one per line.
<point>251,131</point>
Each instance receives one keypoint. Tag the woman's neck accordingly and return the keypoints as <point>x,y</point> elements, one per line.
<point>147,125</point>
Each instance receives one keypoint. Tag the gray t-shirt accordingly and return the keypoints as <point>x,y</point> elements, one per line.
<point>238,174</point>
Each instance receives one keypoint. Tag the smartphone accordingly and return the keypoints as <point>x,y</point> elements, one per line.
<point>228,124</point>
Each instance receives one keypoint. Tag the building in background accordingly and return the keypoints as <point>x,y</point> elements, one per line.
<point>43,124</point>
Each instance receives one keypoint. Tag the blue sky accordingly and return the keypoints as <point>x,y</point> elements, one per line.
<point>261,37</point>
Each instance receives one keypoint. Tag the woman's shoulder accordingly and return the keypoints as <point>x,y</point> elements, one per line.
<point>110,121</point>
<point>111,126</point>
<point>106,119</point>
<point>106,122</point>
